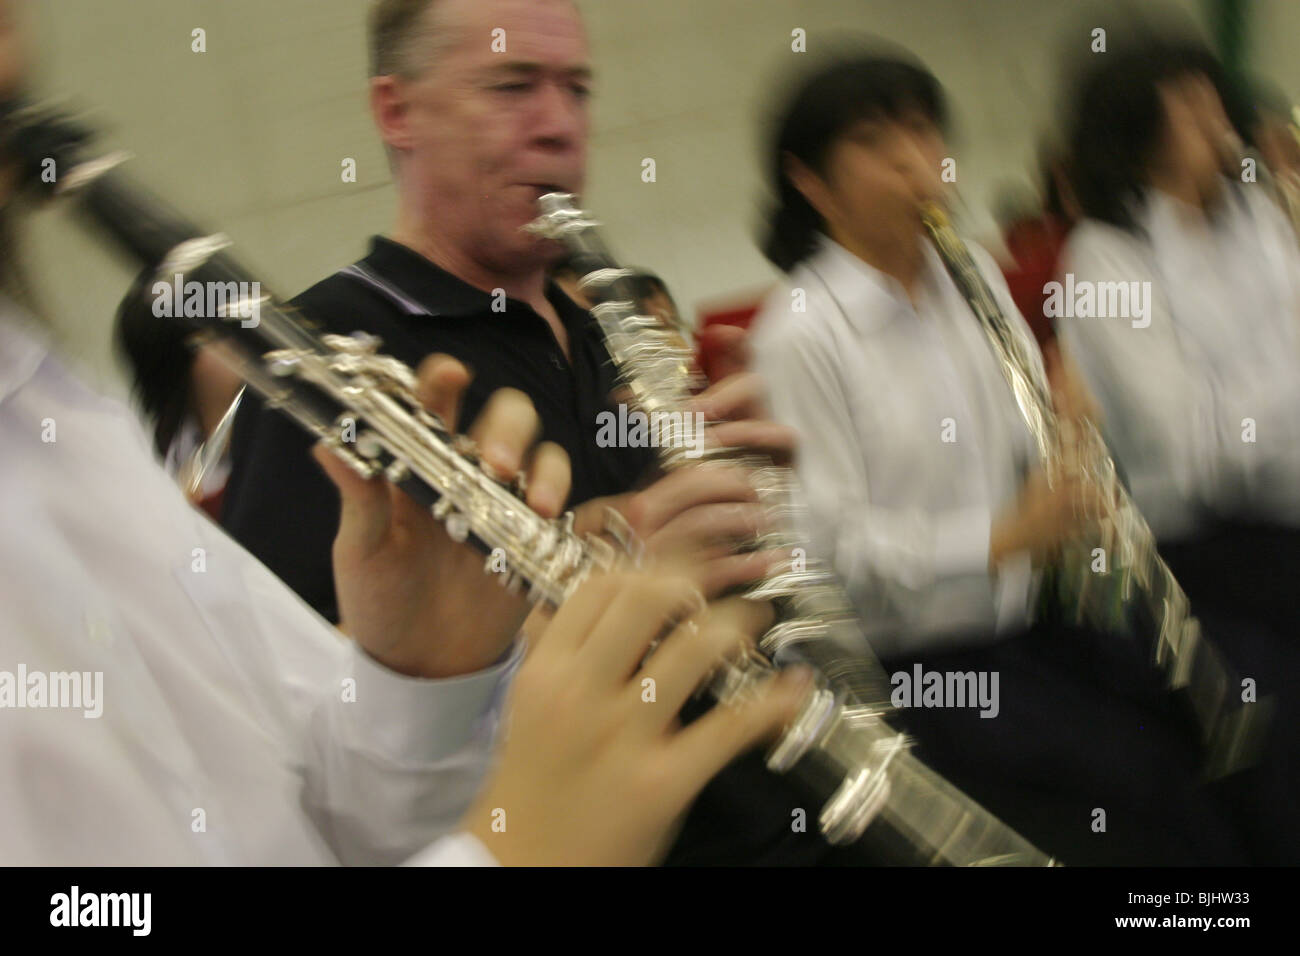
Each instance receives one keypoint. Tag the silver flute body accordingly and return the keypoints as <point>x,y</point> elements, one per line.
<point>875,782</point>
<point>1137,591</point>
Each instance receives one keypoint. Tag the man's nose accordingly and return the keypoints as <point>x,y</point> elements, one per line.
<point>559,117</point>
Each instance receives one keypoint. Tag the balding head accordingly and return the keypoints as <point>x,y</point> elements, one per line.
<point>405,35</point>
<point>483,106</point>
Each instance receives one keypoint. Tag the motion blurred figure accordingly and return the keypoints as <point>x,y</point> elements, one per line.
<point>1199,380</point>
<point>924,489</point>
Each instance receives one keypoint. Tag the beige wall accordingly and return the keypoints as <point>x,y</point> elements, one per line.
<point>248,137</point>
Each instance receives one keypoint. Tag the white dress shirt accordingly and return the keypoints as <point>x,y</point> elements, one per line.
<point>1222,346</point>
<point>236,726</point>
<point>874,386</point>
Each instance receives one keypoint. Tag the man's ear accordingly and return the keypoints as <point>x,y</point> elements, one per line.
<point>810,185</point>
<point>389,107</point>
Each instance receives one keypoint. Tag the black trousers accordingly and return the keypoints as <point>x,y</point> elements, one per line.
<point>1243,582</point>
<point>1084,724</point>
<point>1084,737</point>
<point>1242,572</point>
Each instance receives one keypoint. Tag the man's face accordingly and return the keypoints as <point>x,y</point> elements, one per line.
<point>489,131</point>
<point>877,176</point>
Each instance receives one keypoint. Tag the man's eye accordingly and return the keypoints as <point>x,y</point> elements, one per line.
<point>581,91</point>
<point>513,87</point>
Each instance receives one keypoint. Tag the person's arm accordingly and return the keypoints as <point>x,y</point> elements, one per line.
<point>387,762</point>
<point>397,738</point>
<point>394,760</point>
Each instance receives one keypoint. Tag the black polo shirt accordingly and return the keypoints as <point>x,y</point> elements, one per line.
<point>281,506</point>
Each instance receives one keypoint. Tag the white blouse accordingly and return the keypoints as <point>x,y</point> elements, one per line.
<point>216,718</point>
<point>910,444</point>
<point>1202,405</point>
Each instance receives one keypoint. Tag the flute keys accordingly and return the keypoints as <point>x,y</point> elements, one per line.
<point>369,445</point>
<point>457,524</point>
<point>457,527</point>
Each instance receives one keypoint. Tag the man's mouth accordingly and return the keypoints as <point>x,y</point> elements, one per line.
<point>541,189</point>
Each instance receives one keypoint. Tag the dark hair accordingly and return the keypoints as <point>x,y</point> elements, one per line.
<point>1118,120</point>
<point>395,28</point>
<point>647,284</point>
<point>160,359</point>
<point>825,104</point>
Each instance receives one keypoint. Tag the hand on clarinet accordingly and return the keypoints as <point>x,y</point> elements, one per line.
<point>1045,517</point>
<point>703,515</point>
<point>417,601</point>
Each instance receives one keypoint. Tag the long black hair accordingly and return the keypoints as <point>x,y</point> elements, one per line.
<point>826,103</point>
<point>1117,120</point>
<point>160,358</point>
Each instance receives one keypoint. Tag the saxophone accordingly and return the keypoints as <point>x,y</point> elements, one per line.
<point>1138,592</point>
<point>815,621</point>
<point>362,405</point>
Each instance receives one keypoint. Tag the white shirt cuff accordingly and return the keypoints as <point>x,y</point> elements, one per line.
<point>457,849</point>
<point>416,720</point>
<point>961,543</point>
<point>1013,588</point>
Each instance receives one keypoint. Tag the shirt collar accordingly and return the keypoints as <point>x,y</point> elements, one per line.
<point>870,298</point>
<point>1162,214</point>
<point>438,292</point>
<point>432,287</point>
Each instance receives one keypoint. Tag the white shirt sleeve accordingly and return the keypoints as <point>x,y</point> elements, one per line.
<point>231,725</point>
<point>395,760</point>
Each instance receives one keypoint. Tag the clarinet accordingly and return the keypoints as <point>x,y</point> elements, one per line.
<point>815,621</point>
<point>362,405</point>
<point>1139,592</point>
